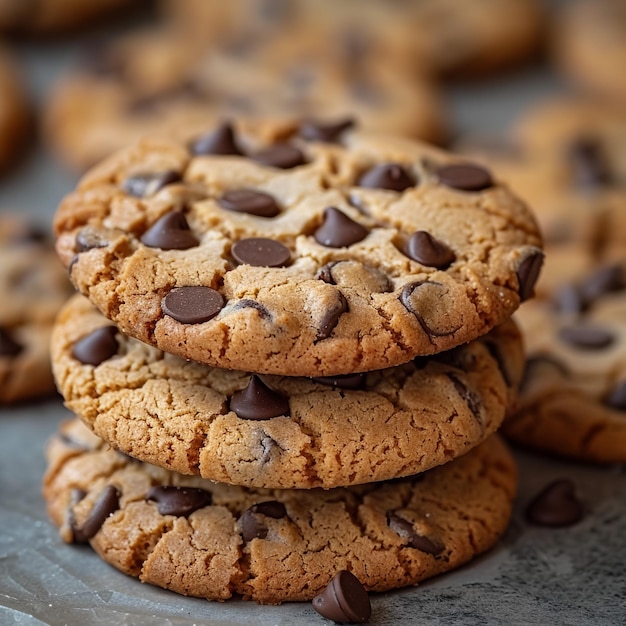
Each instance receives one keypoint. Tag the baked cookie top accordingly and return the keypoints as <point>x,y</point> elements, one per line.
<point>212,540</point>
<point>282,432</point>
<point>302,257</point>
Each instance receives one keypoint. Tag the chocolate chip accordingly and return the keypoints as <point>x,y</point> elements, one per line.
<point>338,230</point>
<point>8,345</point>
<point>403,528</point>
<point>249,201</point>
<point>527,274</point>
<point>464,176</point>
<point>254,528</point>
<point>604,280</point>
<point>433,306</point>
<point>586,336</point>
<point>76,495</point>
<point>326,273</point>
<point>497,355</point>
<point>192,305</point>
<point>568,299</point>
<point>142,185</point>
<point>283,156</point>
<point>533,363</point>
<point>344,600</point>
<point>179,501</point>
<point>171,232</point>
<point>387,176</point>
<point>589,165</point>
<point>261,252</point>
<point>556,505</point>
<point>107,503</point>
<point>96,347</point>
<point>258,402</point>
<point>246,303</point>
<point>617,397</point>
<point>331,317</point>
<point>220,141</point>
<point>347,381</point>
<point>468,396</point>
<point>326,132</point>
<point>88,239</point>
<point>425,249</point>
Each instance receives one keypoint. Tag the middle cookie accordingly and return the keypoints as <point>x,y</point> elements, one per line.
<point>282,432</point>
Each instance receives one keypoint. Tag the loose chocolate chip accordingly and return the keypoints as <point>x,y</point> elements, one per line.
<point>468,396</point>
<point>179,501</point>
<point>556,505</point>
<point>252,527</point>
<point>404,529</point>
<point>192,305</point>
<point>171,232</point>
<point>589,165</point>
<point>96,347</point>
<point>425,249</point>
<point>283,156</point>
<point>220,141</point>
<point>331,318</point>
<point>142,185</point>
<point>617,397</point>
<point>338,230</point>
<point>586,336</point>
<point>8,345</point>
<point>527,274</point>
<point>249,201</point>
<point>347,381</point>
<point>107,503</point>
<point>326,132</point>
<point>344,600</point>
<point>88,239</point>
<point>261,252</point>
<point>464,176</point>
<point>604,280</point>
<point>569,299</point>
<point>387,176</point>
<point>258,402</point>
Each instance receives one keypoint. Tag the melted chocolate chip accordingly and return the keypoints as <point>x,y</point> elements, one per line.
<point>326,132</point>
<point>387,176</point>
<point>254,528</point>
<point>88,239</point>
<point>403,528</point>
<point>468,396</point>
<point>586,336</point>
<point>171,232</point>
<point>220,141</point>
<point>464,177</point>
<point>344,600</point>
<point>261,252</point>
<point>556,505</point>
<point>430,301</point>
<point>347,381</point>
<point>143,185</point>
<point>589,166</point>
<point>8,345</point>
<point>425,249</point>
<point>326,273</point>
<point>331,318</point>
<point>96,347</point>
<point>527,274</point>
<point>283,156</point>
<point>192,305</point>
<point>179,501</point>
<point>246,303</point>
<point>107,503</point>
<point>617,397</point>
<point>250,201</point>
<point>338,230</point>
<point>258,402</point>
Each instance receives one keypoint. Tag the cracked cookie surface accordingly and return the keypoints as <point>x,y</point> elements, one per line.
<point>282,432</point>
<point>211,540</point>
<point>387,249</point>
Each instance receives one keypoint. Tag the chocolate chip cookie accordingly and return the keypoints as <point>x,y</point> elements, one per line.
<point>330,252</point>
<point>207,539</point>
<point>573,400</point>
<point>33,286</point>
<point>282,432</point>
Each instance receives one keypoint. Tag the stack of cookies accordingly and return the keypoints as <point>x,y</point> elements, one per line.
<point>290,354</point>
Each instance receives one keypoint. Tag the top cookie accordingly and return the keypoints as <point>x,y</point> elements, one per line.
<point>305,257</point>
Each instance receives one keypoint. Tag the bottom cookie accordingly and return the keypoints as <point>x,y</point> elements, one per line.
<point>211,540</point>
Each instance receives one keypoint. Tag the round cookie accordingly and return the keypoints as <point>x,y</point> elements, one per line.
<point>590,46</point>
<point>160,80</point>
<point>380,249</point>
<point>33,286</point>
<point>573,400</point>
<point>282,432</point>
<point>207,539</point>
